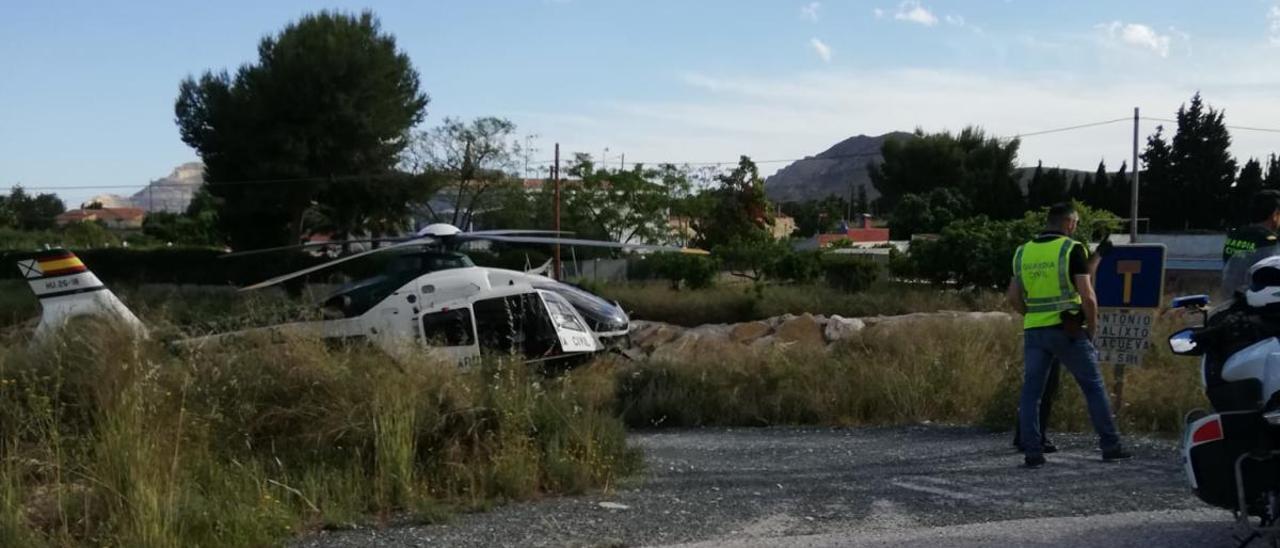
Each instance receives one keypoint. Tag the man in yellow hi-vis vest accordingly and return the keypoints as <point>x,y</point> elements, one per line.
<point>1051,287</point>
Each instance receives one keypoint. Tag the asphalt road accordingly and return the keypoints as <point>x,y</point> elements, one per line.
<point>904,486</point>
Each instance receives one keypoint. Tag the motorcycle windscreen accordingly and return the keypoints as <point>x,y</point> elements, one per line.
<point>571,329</point>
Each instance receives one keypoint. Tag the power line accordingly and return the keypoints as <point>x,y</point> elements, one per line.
<point>862,154</point>
<point>1241,128</point>
<point>1071,128</point>
<point>869,151</point>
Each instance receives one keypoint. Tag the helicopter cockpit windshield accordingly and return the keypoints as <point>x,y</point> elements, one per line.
<point>357,297</point>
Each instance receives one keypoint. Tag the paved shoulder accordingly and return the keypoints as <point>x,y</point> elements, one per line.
<point>852,487</point>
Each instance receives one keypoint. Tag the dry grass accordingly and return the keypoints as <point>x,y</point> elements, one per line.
<point>110,440</point>
<point>743,302</point>
<point>934,370</point>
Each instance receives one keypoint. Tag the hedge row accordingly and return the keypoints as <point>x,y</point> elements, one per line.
<point>199,266</point>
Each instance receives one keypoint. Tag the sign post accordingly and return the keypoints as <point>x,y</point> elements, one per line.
<point>1130,287</point>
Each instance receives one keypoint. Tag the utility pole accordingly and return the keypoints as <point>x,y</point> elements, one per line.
<point>555,175</point>
<point>1133,184</point>
<point>622,165</point>
<point>1133,239</point>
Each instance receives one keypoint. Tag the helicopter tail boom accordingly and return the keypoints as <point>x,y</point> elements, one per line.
<point>67,289</point>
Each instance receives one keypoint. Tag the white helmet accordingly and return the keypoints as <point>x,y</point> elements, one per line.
<point>1264,283</point>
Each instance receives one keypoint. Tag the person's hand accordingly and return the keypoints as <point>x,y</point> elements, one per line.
<point>1104,246</point>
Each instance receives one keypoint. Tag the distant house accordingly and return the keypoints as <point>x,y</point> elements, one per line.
<point>116,218</point>
<point>783,226</point>
<point>864,232</point>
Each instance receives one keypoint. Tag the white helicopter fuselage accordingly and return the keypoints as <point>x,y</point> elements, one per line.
<point>451,314</point>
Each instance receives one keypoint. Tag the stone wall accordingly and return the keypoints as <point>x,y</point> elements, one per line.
<point>663,341</point>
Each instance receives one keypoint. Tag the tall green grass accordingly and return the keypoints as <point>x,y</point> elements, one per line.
<point>105,439</point>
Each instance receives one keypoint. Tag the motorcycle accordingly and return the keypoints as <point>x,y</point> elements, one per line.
<point>1231,453</point>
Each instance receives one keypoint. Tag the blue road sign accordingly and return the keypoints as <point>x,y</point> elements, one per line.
<point>1131,276</point>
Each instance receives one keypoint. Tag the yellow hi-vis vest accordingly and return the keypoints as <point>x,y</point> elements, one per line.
<point>1044,270</point>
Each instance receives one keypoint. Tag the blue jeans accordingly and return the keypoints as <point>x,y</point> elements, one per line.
<point>1040,346</point>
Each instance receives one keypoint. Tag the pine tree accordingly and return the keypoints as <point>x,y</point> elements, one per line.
<point>1203,167</point>
<point>863,205</point>
<point>1086,190</point>
<point>1118,192</point>
<point>1035,187</point>
<point>1073,190</point>
<point>1159,188</point>
<point>1246,186</point>
<point>1272,180</point>
<point>1098,197</point>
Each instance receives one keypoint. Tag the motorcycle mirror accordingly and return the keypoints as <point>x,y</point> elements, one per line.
<point>1182,343</point>
<point>1190,301</point>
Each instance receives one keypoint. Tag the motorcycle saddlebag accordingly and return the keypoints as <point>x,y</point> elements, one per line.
<point>1212,445</point>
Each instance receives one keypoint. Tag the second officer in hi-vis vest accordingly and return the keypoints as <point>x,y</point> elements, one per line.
<point>1051,287</point>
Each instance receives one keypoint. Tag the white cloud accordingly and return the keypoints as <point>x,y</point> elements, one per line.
<point>912,11</point>
<point>823,50</point>
<point>1273,25</point>
<point>767,115</point>
<point>879,13</point>
<point>810,11</point>
<point>955,20</point>
<point>1138,35</point>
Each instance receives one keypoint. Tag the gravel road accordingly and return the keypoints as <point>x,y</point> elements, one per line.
<point>919,485</point>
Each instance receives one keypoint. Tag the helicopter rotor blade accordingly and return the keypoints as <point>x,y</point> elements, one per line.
<point>518,232</point>
<point>335,262</point>
<point>265,250</point>
<point>576,242</point>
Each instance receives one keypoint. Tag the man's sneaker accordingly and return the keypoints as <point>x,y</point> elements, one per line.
<point>1033,461</point>
<point>1113,455</point>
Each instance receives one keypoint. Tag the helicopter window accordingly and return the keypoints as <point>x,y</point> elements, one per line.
<point>450,328</point>
<point>562,313</point>
<point>515,324</point>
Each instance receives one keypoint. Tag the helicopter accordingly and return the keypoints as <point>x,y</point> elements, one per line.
<point>430,296</point>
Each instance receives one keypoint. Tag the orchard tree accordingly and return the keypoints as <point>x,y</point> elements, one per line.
<point>312,130</point>
<point>627,206</point>
<point>736,208</point>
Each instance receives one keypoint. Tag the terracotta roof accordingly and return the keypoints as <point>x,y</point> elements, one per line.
<point>104,214</point>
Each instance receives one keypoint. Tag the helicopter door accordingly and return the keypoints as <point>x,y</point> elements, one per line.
<point>452,331</point>
<point>573,332</point>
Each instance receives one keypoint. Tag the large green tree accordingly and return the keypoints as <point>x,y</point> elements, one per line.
<point>980,167</point>
<point>313,129</point>
<point>26,212</point>
<point>1189,178</point>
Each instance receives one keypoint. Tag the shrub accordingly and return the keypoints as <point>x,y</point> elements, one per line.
<point>849,273</point>
<point>978,252</point>
<point>753,256</point>
<point>797,267</point>
<point>693,271</point>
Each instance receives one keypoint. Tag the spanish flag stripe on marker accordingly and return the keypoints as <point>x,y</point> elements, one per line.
<point>61,266</point>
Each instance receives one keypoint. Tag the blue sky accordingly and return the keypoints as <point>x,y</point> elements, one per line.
<point>87,88</point>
